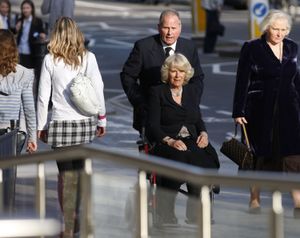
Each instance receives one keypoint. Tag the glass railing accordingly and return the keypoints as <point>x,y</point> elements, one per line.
<point>118,201</point>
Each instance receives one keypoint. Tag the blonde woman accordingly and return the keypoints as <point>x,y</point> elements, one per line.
<point>67,57</point>
<point>176,127</point>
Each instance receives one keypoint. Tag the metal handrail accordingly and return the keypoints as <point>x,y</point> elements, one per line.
<point>203,177</point>
<point>272,180</point>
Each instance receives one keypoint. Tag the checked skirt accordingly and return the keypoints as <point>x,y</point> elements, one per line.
<point>71,132</point>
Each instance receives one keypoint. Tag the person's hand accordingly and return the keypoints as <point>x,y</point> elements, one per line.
<point>240,120</point>
<point>18,26</point>
<point>42,36</point>
<point>31,147</point>
<point>43,135</point>
<point>177,144</point>
<point>202,140</point>
<point>100,131</point>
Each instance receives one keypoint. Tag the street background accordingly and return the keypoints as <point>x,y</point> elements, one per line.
<point>112,27</point>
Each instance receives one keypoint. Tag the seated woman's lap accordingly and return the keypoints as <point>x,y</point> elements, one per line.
<point>193,156</point>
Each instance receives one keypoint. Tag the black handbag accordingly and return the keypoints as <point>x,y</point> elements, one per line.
<point>238,152</point>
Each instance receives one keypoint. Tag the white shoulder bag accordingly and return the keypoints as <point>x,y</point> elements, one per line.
<point>83,94</point>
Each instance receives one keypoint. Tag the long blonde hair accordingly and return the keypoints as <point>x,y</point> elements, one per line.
<point>67,42</point>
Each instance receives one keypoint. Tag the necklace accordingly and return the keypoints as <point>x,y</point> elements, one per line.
<point>176,93</point>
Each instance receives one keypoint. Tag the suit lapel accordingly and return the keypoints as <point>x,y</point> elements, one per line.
<point>179,46</point>
<point>157,49</point>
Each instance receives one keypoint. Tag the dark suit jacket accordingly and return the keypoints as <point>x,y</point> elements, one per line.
<point>267,93</point>
<point>36,27</point>
<point>166,117</point>
<point>142,70</point>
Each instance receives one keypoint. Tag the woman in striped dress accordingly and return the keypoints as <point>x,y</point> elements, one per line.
<point>67,127</point>
<point>15,89</point>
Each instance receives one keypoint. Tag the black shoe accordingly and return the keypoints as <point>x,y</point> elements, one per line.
<point>194,221</point>
<point>191,221</point>
<point>216,189</point>
<point>297,212</point>
<point>167,221</point>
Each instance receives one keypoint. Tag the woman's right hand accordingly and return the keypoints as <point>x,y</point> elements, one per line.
<point>177,144</point>
<point>240,120</point>
<point>18,26</point>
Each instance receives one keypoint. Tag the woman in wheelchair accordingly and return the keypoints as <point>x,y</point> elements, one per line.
<point>176,127</point>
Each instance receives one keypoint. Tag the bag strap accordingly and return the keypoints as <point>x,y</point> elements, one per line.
<point>83,69</point>
<point>245,133</point>
<point>246,136</point>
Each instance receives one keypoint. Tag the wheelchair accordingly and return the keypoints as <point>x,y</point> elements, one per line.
<point>145,146</point>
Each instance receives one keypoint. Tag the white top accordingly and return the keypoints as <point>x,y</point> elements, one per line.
<point>58,75</point>
<point>3,22</point>
<point>173,46</point>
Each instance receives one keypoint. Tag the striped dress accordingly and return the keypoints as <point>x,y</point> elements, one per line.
<point>16,92</point>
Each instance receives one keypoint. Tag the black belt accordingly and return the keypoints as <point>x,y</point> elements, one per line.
<point>184,138</point>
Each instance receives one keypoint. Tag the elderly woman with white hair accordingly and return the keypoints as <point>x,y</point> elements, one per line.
<point>267,100</point>
<point>178,131</point>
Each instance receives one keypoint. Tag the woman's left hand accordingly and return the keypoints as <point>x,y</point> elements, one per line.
<point>202,140</point>
<point>31,147</point>
<point>43,36</point>
<point>100,131</point>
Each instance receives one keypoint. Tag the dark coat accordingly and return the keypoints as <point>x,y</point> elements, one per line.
<point>267,93</point>
<point>142,70</point>
<point>35,29</point>
<point>166,117</point>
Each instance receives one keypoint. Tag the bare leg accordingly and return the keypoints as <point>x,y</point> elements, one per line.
<point>296,198</point>
<point>254,204</point>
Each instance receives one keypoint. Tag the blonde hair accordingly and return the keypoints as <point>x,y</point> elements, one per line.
<point>275,15</point>
<point>178,61</point>
<point>67,42</point>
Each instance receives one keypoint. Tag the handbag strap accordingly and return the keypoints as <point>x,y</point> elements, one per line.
<point>246,136</point>
<point>83,69</point>
<point>245,133</point>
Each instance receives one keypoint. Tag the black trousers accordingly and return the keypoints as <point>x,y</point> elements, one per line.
<point>167,187</point>
<point>211,34</point>
<point>27,61</point>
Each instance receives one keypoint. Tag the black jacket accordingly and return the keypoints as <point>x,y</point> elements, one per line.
<point>166,117</point>
<point>267,93</point>
<point>35,29</point>
<point>142,70</point>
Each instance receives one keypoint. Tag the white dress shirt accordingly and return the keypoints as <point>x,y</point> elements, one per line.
<point>24,41</point>
<point>172,46</point>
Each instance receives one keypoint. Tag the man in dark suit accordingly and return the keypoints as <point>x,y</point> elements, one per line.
<point>142,68</point>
